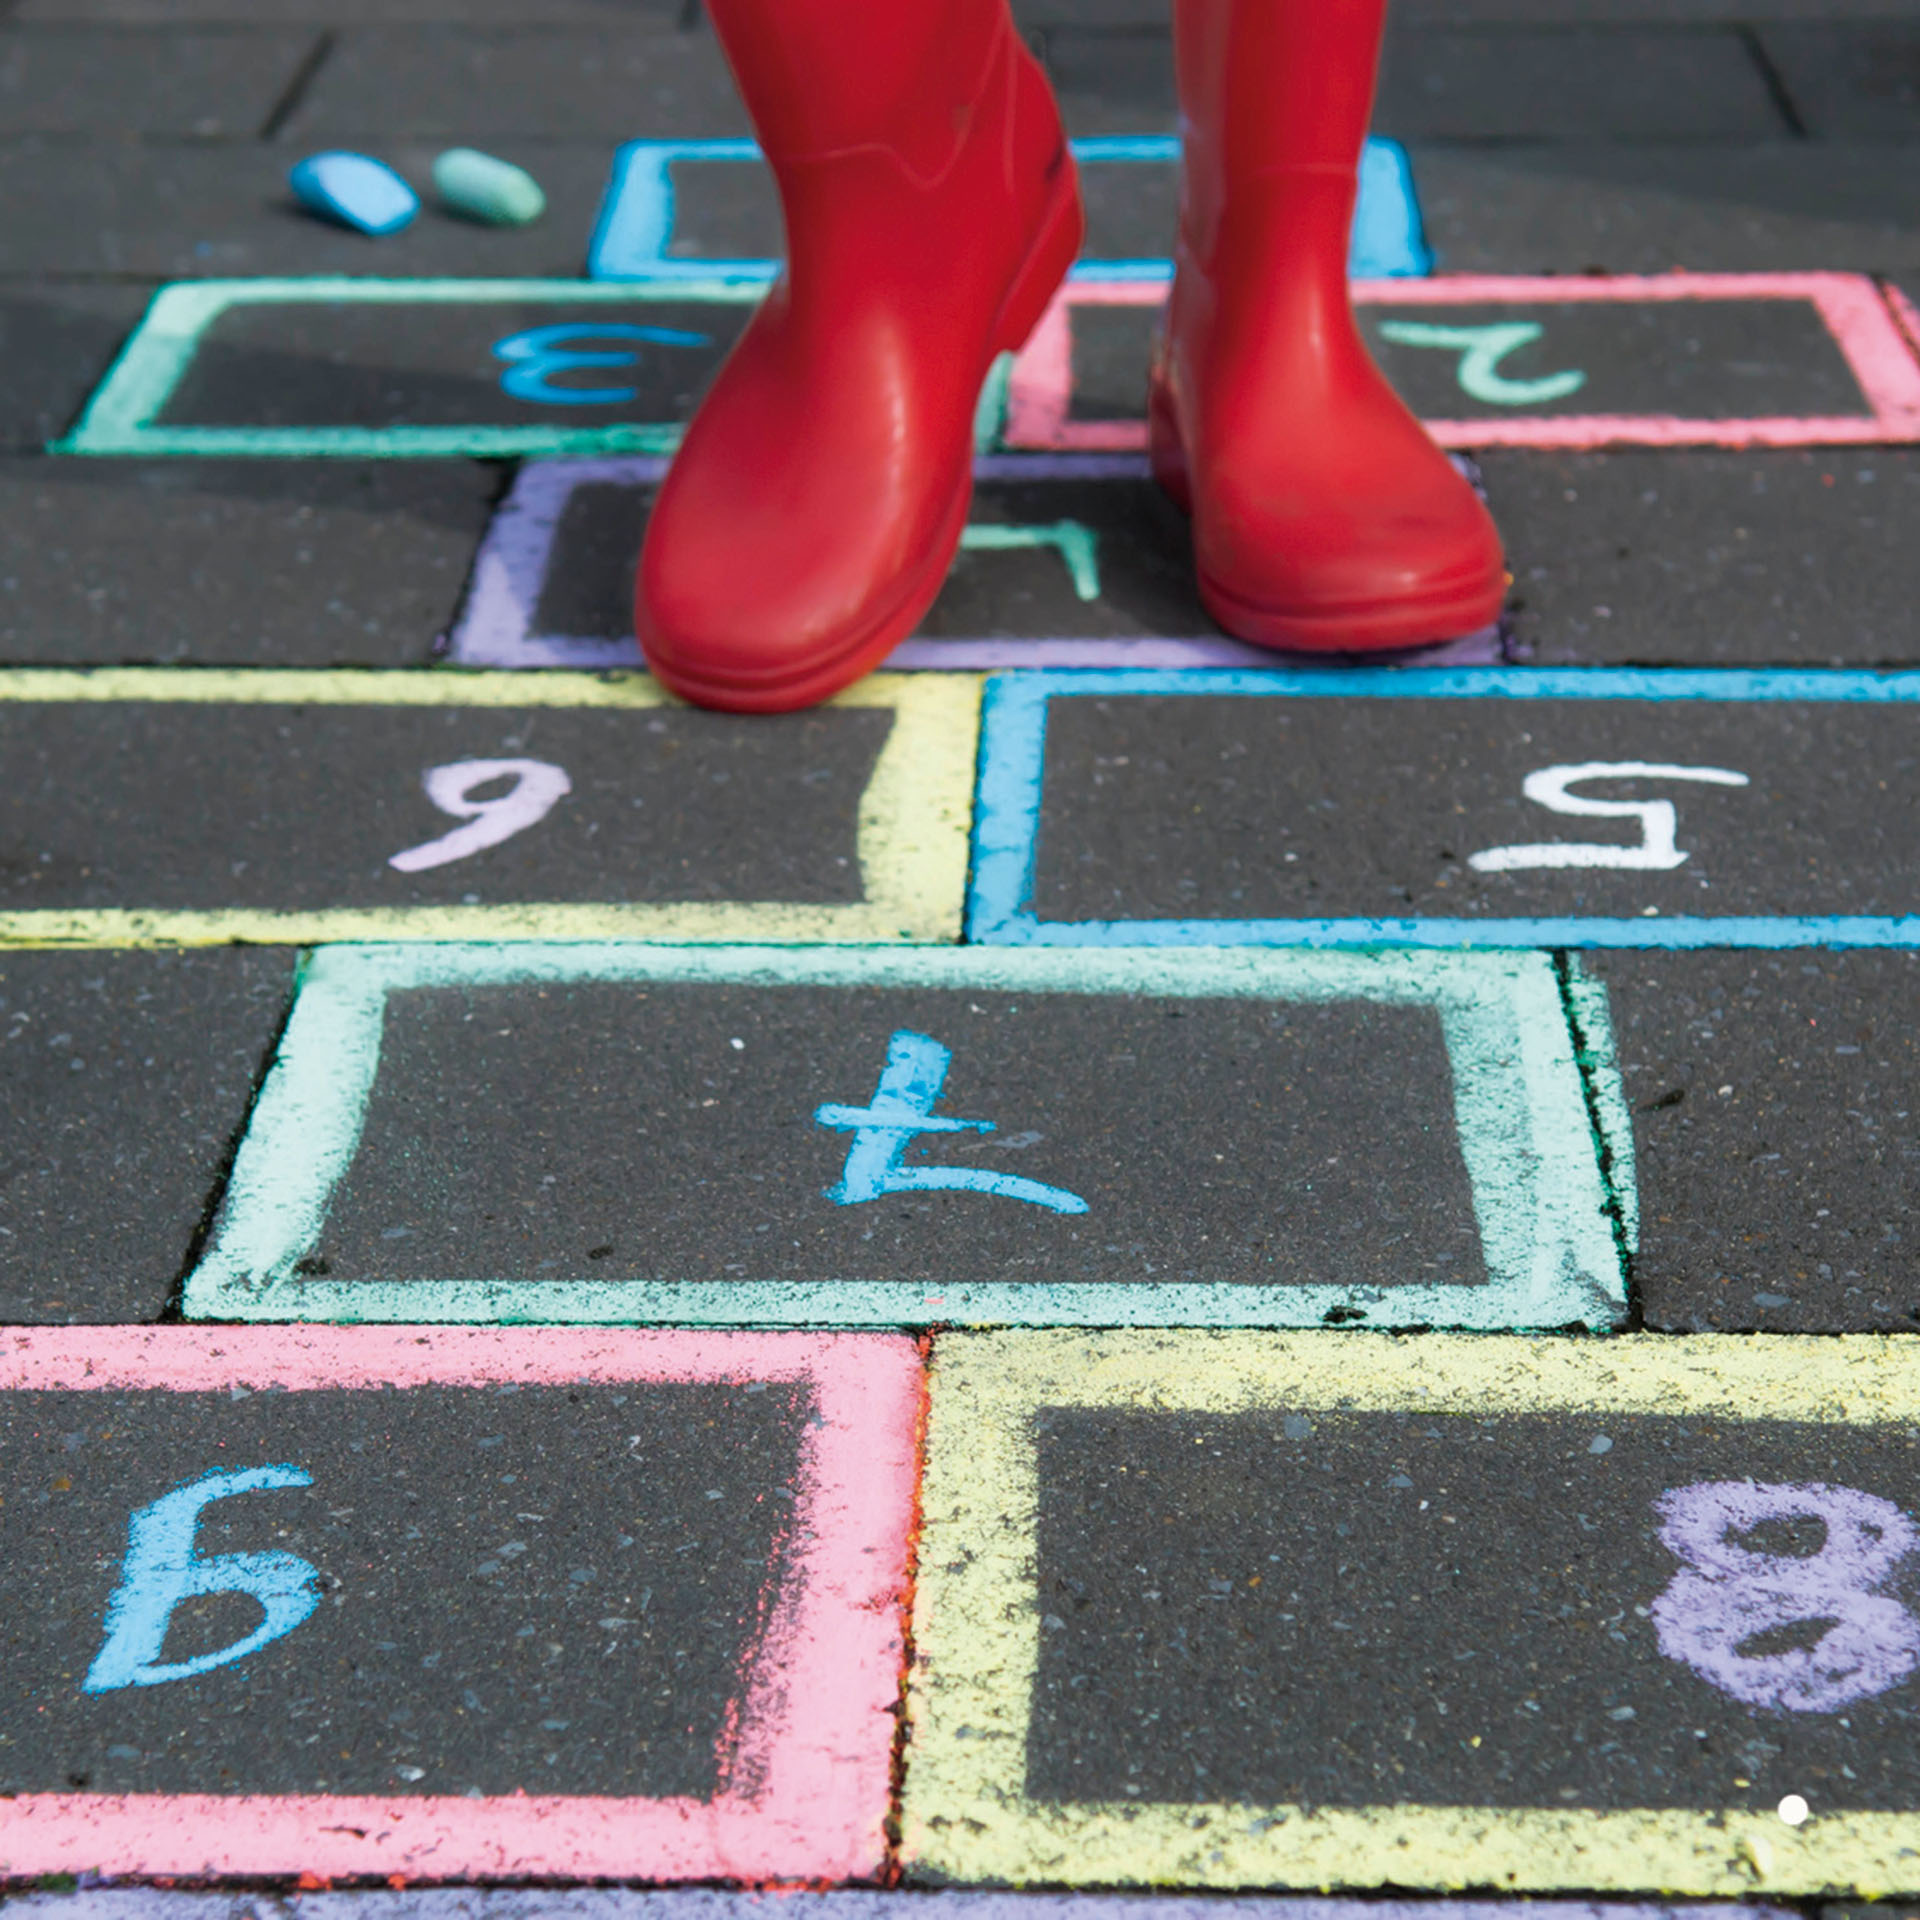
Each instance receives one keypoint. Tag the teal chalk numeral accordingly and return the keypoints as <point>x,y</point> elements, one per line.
<point>1078,545</point>
<point>162,1569</point>
<point>535,356</point>
<point>1481,349</point>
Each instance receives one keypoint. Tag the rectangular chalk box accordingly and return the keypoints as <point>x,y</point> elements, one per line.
<point>926,1135</point>
<point>1486,360</point>
<point>1067,560</point>
<point>1334,1610</point>
<point>432,369</point>
<point>1465,807</point>
<point>469,1603</point>
<point>327,806</point>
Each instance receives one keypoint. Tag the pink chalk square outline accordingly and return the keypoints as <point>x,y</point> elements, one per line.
<point>1861,322</point>
<point>809,1769</point>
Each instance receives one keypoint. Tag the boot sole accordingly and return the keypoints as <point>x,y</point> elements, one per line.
<point>1056,243</point>
<point>1382,626</point>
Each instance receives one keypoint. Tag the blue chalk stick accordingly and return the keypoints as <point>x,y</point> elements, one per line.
<point>356,190</point>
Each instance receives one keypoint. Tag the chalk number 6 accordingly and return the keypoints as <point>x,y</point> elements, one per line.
<point>1656,853</point>
<point>538,787</point>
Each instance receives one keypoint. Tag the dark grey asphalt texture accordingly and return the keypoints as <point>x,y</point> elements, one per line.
<point>612,1132</point>
<point>1773,1099</point>
<point>1341,1611</point>
<point>556,1590</point>
<point>127,1081</point>
<point>1245,808</point>
<point>205,805</point>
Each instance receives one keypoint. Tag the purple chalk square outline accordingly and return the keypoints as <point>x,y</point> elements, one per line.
<point>702,1903</point>
<point>496,626</point>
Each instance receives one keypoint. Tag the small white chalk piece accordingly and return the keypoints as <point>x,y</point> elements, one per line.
<point>495,192</point>
<point>356,190</point>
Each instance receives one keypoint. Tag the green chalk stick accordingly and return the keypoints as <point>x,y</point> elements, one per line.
<point>489,190</point>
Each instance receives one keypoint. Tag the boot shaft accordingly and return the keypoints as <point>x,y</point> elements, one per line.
<point>824,78</point>
<point>1272,87</point>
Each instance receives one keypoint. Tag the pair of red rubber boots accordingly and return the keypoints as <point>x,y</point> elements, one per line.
<point>932,209</point>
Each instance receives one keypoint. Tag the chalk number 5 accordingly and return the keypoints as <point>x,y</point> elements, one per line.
<point>1549,787</point>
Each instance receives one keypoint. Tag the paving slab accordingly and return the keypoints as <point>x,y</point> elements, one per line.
<point>1437,807</point>
<point>312,564</point>
<point>725,208</point>
<point>1850,80</point>
<point>57,338</point>
<point>1754,207</point>
<point>1738,559</point>
<point>112,82</point>
<point>475,85</point>
<point>437,367</point>
<point>127,1080</point>
<point>1536,361</point>
<point>511,1603</point>
<point>928,1136</point>
<point>1113,78</point>
<point>318,805</point>
<point>183,212</point>
<point>1075,560</point>
<point>1627,1689</point>
<point>1538,84</point>
<point>1771,1098</point>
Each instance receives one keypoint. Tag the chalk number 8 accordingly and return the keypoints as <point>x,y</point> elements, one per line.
<point>1835,1636</point>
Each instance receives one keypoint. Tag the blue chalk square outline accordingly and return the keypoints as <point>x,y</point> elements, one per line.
<point>1013,749</point>
<point>1546,1212</point>
<point>633,236</point>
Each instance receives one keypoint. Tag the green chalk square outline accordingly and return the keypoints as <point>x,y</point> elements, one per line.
<point>118,420</point>
<point>1541,1200</point>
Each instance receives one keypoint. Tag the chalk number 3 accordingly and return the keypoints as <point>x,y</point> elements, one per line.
<point>534,357</point>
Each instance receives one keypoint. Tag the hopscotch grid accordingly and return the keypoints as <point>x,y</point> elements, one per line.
<point>1858,317</point>
<point>1013,764</point>
<point>910,839</point>
<point>976,1618</point>
<point>497,626</point>
<point>122,417</point>
<point>815,1710</point>
<point>1537,1191</point>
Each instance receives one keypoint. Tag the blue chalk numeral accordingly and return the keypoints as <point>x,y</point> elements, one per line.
<point>902,1107</point>
<point>535,356</point>
<point>161,1570</point>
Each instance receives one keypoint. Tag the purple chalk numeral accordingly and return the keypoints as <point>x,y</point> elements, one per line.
<point>1855,1641</point>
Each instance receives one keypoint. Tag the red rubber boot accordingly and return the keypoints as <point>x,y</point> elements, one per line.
<point>931,210</point>
<point>1324,518</point>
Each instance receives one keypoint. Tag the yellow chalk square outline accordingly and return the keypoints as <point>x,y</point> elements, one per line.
<point>914,821</point>
<point>977,1616</point>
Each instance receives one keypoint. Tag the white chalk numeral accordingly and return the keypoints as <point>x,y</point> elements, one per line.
<point>1656,853</point>
<point>538,786</point>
